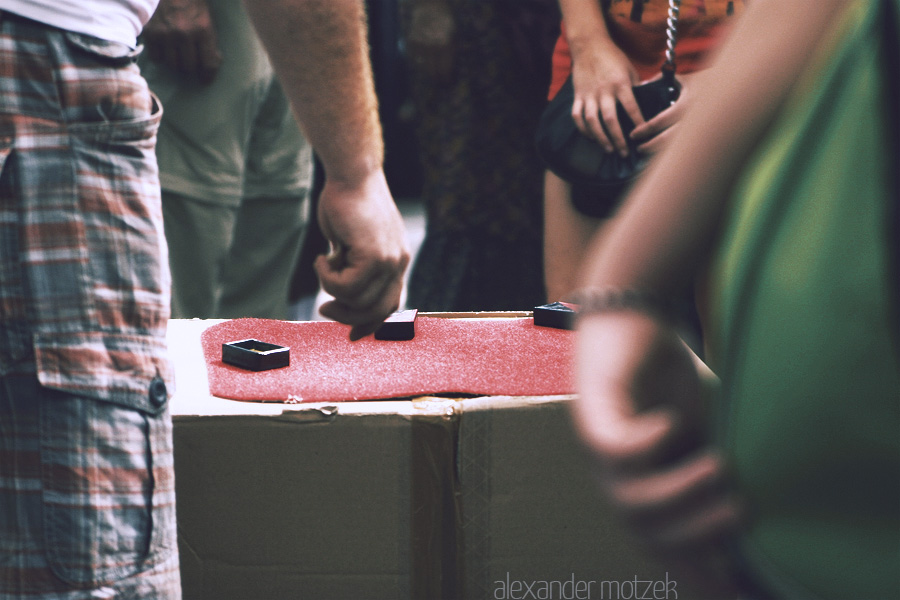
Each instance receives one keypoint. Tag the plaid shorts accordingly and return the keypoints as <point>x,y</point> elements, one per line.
<point>87,497</point>
<point>87,507</point>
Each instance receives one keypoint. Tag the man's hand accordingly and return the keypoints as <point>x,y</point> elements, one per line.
<point>181,36</point>
<point>640,413</point>
<point>364,271</point>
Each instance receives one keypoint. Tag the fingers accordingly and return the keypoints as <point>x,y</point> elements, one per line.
<point>653,135</point>
<point>364,272</point>
<point>681,504</point>
<point>610,116</point>
<point>657,125</point>
<point>639,390</point>
<point>631,107</point>
<point>611,119</point>
<point>602,77</point>
<point>597,117</point>
<point>639,413</point>
<point>359,277</point>
<point>194,55</point>
<point>585,113</point>
<point>657,142</point>
<point>182,37</point>
<point>673,505</point>
<point>622,441</point>
<point>208,56</point>
<point>362,323</point>
<point>698,525</point>
<point>364,294</point>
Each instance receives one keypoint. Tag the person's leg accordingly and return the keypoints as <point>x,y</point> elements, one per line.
<point>271,221</point>
<point>566,236</point>
<point>257,273</point>
<point>205,129</point>
<point>202,148</point>
<point>87,497</point>
<point>199,236</point>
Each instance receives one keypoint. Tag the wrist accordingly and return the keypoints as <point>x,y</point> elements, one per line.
<point>352,176</point>
<point>600,300</point>
<point>584,46</point>
<point>356,183</point>
<point>348,168</point>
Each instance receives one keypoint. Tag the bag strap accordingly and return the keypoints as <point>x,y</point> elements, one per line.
<point>668,68</point>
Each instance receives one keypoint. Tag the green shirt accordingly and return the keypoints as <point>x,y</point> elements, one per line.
<point>806,333</point>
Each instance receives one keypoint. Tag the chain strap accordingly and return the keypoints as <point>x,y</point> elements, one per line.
<point>671,34</point>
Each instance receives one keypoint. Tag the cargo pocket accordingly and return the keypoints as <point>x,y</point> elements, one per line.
<point>111,120</point>
<point>15,338</point>
<point>108,488</point>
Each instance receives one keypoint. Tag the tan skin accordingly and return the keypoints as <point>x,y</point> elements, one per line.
<point>327,75</point>
<point>602,76</point>
<point>567,234</point>
<point>320,53</point>
<point>639,386</point>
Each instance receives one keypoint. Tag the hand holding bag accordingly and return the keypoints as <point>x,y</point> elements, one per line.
<point>598,177</point>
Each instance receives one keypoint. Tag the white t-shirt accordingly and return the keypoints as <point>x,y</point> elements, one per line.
<point>115,20</point>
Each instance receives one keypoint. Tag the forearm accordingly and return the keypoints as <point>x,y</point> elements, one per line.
<point>319,50</point>
<point>671,218</point>
<point>586,30</point>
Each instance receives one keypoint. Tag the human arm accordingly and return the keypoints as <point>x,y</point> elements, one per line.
<point>602,75</point>
<point>653,135</point>
<point>181,36</point>
<point>632,377</point>
<point>320,54</point>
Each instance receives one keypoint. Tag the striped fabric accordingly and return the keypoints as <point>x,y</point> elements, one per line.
<point>87,497</point>
<point>86,477</point>
<point>82,254</point>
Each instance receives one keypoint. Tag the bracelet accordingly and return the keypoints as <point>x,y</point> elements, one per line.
<point>592,301</point>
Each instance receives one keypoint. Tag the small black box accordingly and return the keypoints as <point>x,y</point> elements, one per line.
<point>400,326</point>
<point>255,355</point>
<point>560,315</point>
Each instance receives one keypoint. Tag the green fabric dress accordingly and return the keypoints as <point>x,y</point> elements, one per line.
<point>805,331</point>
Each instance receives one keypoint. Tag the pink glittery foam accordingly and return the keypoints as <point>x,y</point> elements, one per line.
<point>489,357</point>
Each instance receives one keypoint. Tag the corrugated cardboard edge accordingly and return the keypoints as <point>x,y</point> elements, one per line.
<point>475,473</point>
<point>435,511</point>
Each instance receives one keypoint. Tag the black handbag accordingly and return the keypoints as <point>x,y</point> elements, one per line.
<point>599,178</point>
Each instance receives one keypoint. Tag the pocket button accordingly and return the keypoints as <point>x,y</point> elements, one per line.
<point>158,392</point>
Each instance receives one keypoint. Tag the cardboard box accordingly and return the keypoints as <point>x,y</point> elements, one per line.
<point>424,500</point>
<point>314,501</point>
<point>532,514</point>
<point>313,505</point>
